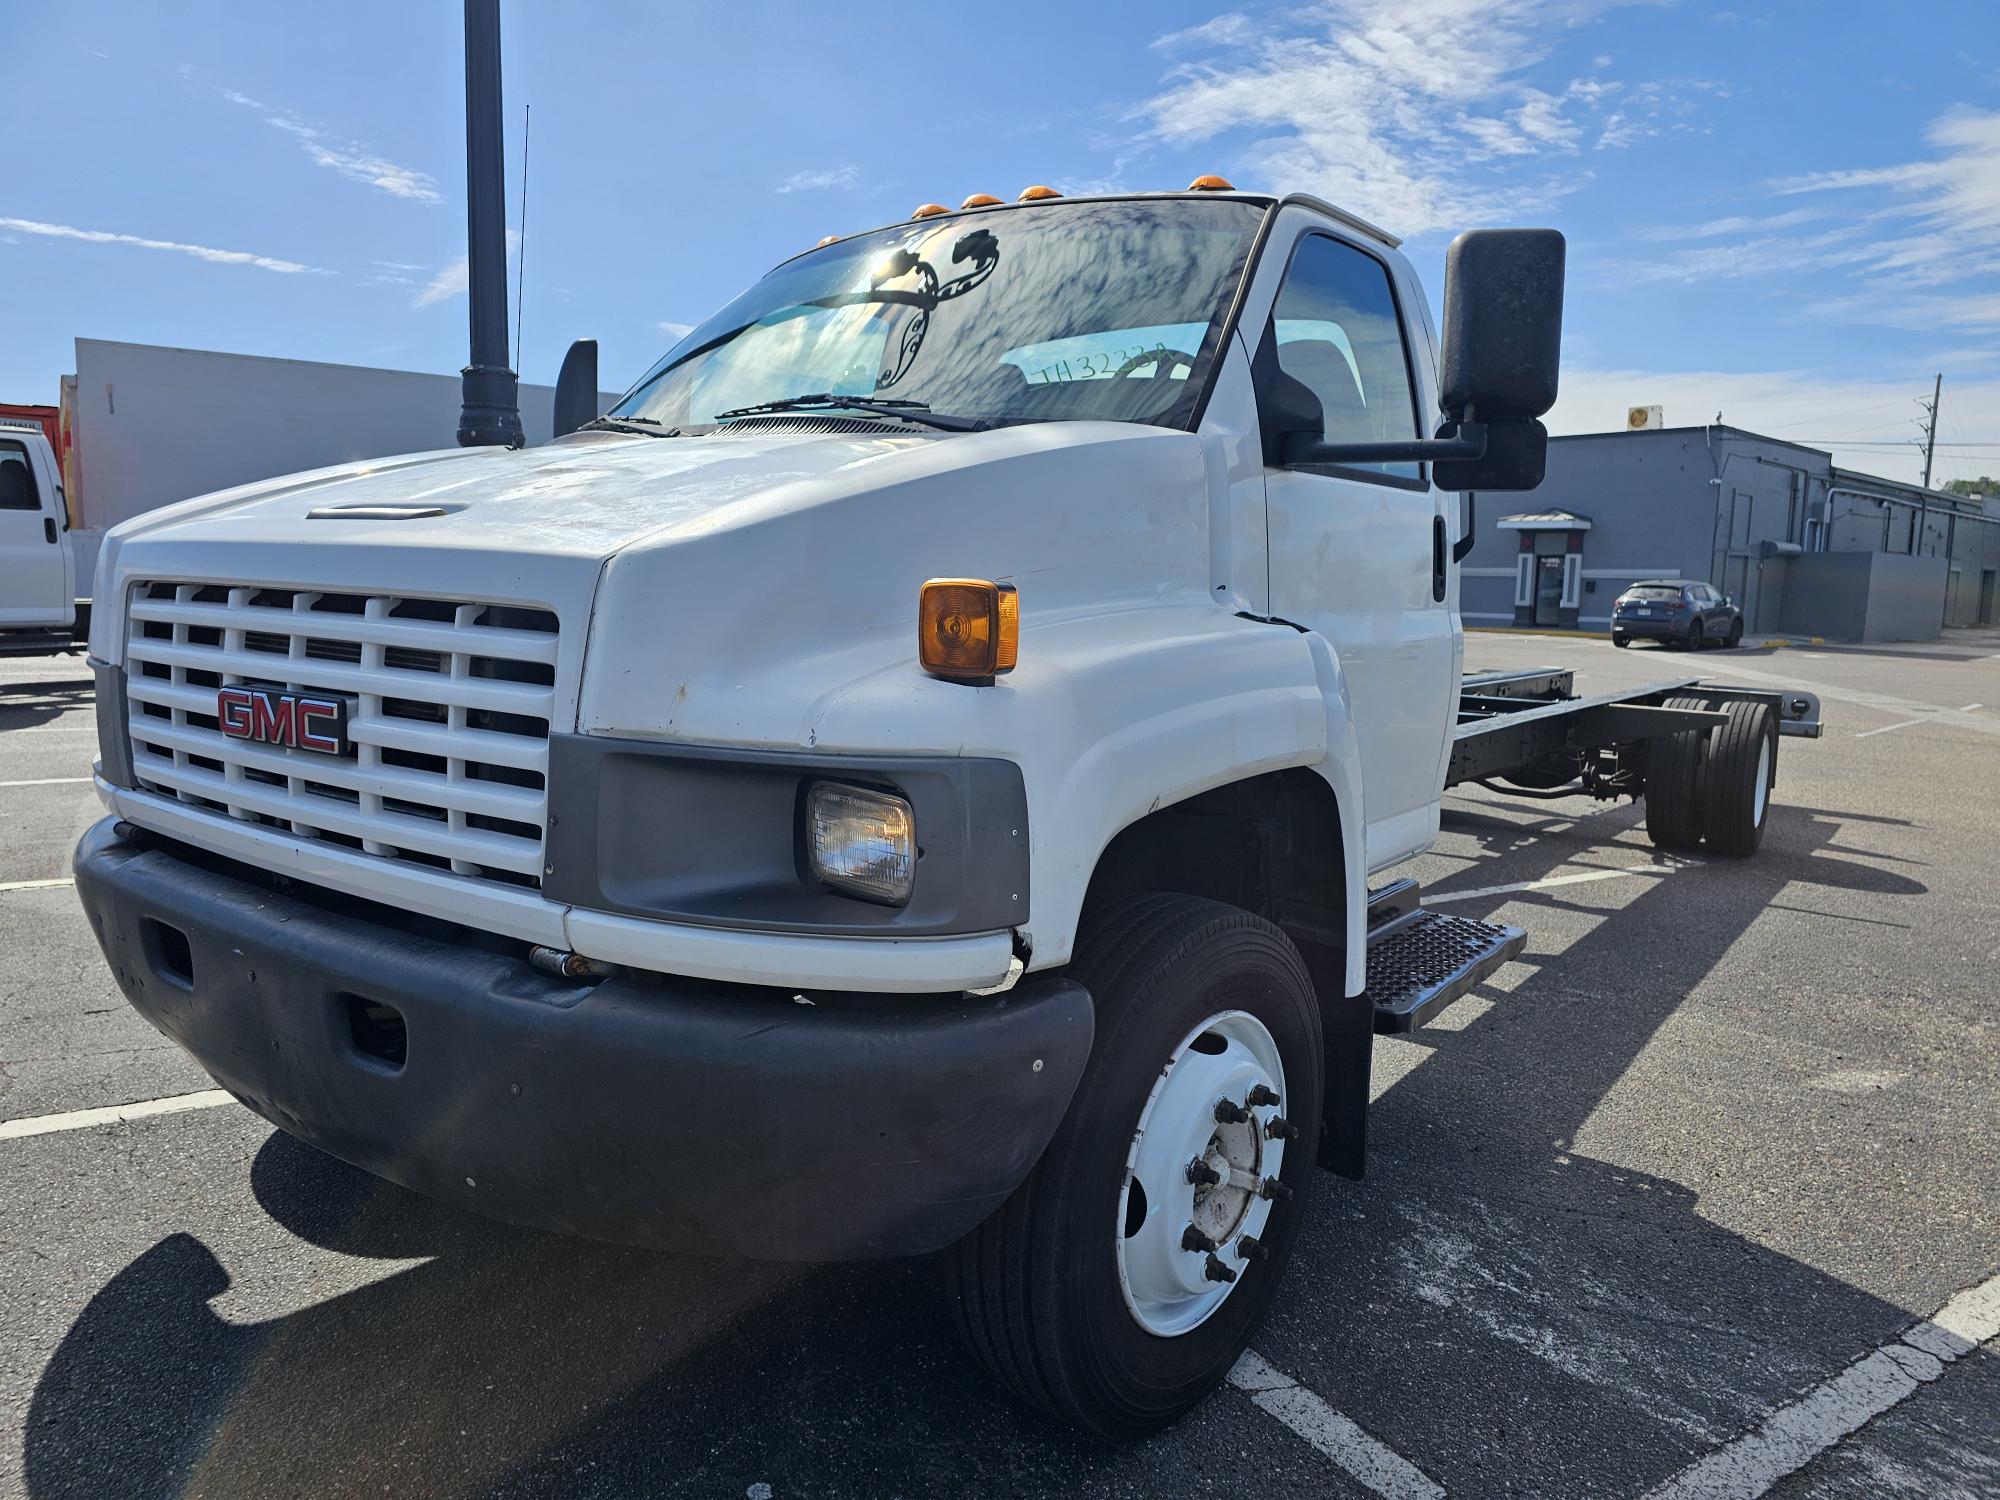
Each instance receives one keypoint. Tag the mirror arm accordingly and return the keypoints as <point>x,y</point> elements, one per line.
<point>1465,440</point>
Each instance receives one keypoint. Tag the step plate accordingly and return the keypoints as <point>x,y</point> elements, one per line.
<point>1422,964</point>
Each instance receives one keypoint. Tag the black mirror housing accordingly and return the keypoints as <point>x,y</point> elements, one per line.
<point>1502,334</point>
<point>1516,458</point>
<point>576,388</point>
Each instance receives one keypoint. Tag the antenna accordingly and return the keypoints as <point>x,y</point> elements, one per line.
<point>521,255</point>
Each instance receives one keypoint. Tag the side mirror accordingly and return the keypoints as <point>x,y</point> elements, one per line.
<point>1502,336</point>
<point>576,388</point>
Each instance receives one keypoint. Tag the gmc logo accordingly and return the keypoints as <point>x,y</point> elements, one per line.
<point>272,716</point>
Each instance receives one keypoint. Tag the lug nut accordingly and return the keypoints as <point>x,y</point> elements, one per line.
<point>1215,1270</point>
<point>1278,1128</point>
<point>1201,1174</point>
<point>1260,1096</point>
<point>1274,1190</point>
<point>1194,1241</point>
<point>1252,1248</point>
<point>1229,1113</point>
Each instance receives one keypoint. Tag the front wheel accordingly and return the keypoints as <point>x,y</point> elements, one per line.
<point>1735,638</point>
<point>1126,1276</point>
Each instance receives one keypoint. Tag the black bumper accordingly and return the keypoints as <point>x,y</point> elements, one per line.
<point>703,1117</point>
<point>1658,629</point>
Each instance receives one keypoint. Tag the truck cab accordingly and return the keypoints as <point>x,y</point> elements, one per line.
<point>906,779</point>
<point>38,557</point>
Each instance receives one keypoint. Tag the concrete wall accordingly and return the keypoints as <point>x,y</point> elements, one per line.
<point>1865,596</point>
<point>155,425</point>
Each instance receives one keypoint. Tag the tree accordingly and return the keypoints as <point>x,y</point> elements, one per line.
<point>1983,485</point>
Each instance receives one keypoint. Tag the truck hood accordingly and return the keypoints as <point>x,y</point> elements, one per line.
<point>840,518</point>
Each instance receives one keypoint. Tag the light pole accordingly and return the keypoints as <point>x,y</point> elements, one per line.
<point>491,411</point>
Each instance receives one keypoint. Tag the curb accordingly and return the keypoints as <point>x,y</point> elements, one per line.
<point>1561,635</point>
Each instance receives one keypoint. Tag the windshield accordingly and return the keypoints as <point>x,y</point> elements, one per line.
<point>1058,312</point>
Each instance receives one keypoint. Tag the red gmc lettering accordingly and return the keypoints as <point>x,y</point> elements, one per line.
<point>271,720</point>
<point>317,710</point>
<point>232,709</point>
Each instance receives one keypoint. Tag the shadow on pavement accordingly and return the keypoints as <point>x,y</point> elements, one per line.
<point>1518,1317</point>
<point>1506,1312</point>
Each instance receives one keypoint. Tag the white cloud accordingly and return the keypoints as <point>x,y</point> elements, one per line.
<point>1383,107</point>
<point>1905,231</point>
<point>451,281</point>
<point>349,158</point>
<point>1866,424</point>
<point>199,252</point>
<point>823,177</point>
<point>675,331</point>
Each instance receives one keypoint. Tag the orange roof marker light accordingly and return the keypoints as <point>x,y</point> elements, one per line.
<point>929,211</point>
<point>1210,183</point>
<point>979,200</point>
<point>1036,193</point>
<point>832,239</point>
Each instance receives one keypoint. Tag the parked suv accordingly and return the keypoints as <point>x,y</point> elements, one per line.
<point>1678,611</point>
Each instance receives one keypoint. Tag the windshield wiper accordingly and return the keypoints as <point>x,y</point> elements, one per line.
<point>918,412</point>
<point>645,426</point>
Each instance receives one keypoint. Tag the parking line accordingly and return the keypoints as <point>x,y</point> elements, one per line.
<point>1798,1432</point>
<point>36,885</point>
<point>1887,727</point>
<point>1432,898</point>
<point>1367,1459</point>
<point>49,781</point>
<point>112,1114</point>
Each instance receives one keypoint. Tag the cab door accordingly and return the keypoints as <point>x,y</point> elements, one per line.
<point>1361,554</point>
<point>33,580</point>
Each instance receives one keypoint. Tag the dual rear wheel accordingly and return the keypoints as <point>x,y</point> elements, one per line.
<point>1711,788</point>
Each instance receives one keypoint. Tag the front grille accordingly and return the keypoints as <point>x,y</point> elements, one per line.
<point>451,707</point>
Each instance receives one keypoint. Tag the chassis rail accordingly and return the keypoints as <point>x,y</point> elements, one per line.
<point>1532,726</point>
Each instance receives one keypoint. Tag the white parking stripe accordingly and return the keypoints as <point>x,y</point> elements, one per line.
<point>112,1114</point>
<point>35,885</point>
<point>1368,1460</point>
<point>1795,1434</point>
<point>1432,898</point>
<point>49,781</point>
<point>1887,727</point>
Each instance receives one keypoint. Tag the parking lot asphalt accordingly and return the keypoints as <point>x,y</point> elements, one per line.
<point>1637,1210</point>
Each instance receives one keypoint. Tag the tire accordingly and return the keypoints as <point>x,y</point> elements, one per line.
<point>1621,641</point>
<point>1041,1290</point>
<point>1676,765</point>
<point>1694,640</point>
<point>1742,763</point>
<point>1735,636</point>
<point>80,631</point>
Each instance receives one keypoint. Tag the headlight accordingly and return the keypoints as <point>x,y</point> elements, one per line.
<point>862,843</point>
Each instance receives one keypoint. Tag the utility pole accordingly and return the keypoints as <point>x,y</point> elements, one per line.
<point>1930,426</point>
<point>490,413</point>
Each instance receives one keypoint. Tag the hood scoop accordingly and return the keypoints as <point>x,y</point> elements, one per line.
<point>378,512</point>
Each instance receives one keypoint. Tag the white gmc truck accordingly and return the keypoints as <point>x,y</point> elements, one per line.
<point>908,779</point>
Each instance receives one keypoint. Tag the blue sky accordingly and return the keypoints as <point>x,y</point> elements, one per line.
<point>1783,210</point>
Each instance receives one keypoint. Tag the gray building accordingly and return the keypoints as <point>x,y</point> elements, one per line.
<point>1803,546</point>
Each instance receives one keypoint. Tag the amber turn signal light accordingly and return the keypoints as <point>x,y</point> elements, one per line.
<point>968,630</point>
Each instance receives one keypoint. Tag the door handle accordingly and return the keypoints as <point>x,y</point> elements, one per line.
<point>49,528</point>
<point>1438,549</point>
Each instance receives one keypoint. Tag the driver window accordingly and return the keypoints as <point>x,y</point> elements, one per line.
<point>1338,333</point>
<point>17,480</point>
